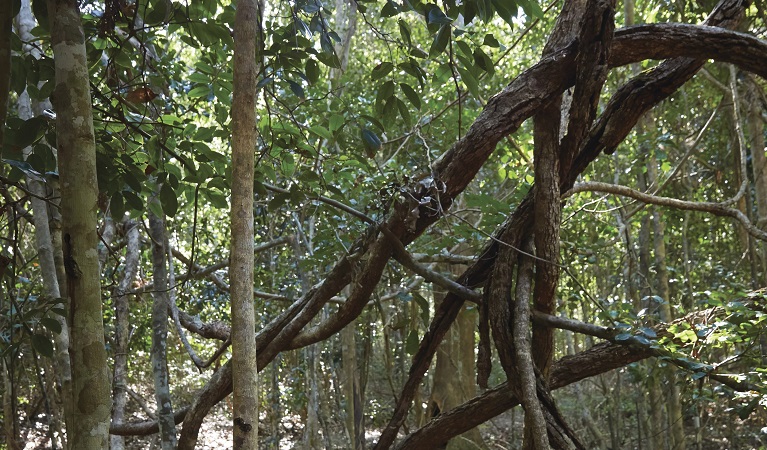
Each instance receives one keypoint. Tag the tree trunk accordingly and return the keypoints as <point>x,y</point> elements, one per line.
<point>91,397</point>
<point>351,389</point>
<point>755,126</point>
<point>122,329</point>
<point>46,248</point>
<point>159,349</point>
<point>244,141</point>
<point>6,24</point>
<point>10,420</point>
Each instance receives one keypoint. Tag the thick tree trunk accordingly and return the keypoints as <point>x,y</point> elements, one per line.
<point>244,141</point>
<point>91,397</point>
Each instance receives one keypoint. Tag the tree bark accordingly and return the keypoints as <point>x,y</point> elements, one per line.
<point>244,141</point>
<point>159,349</point>
<point>122,329</point>
<point>6,25</point>
<point>47,251</point>
<point>91,397</point>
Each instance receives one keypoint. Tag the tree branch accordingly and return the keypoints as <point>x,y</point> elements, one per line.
<point>718,209</point>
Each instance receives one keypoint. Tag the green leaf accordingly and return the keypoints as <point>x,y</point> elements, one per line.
<point>483,61</point>
<point>464,48</point>
<point>336,121</point>
<point>390,9</point>
<point>312,71</point>
<point>623,337</point>
<point>412,342</point>
<point>442,74</point>
<point>505,9</point>
<point>411,95</point>
<point>169,200</point>
<point>297,89</point>
<point>155,208</point>
<point>532,8</point>
<point>486,10</point>
<point>40,10</point>
<point>424,305</point>
<point>385,92</point>
<point>133,201</point>
<point>440,41</point>
<point>390,109</point>
<point>491,41</point>
<point>218,200</point>
<point>417,52</point>
<point>404,112</point>
<point>51,324</point>
<point>469,80</point>
<point>746,410</point>
<point>381,70</point>
<point>469,11</point>
<point>42,345</point>
<point>199,91</point>
<point>322,132</point>
<point>404,31</point>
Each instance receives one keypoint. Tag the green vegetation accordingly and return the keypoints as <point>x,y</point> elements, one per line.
<point>458,208</point>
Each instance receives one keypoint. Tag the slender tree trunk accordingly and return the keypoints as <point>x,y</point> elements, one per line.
<point>159,350</point>
<point>244,141</point>
<point>122,329</point>
<point>46,249</point>
<point>10,420</point>
<point>91,397</point>
<point>351,389</point>
<point>674,402</point>
<point>755,126</point>
<point>6,23</point>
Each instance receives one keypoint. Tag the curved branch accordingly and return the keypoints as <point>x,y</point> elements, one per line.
<point>670,40</point>
<point>718,209</point>
<point>407,260</point>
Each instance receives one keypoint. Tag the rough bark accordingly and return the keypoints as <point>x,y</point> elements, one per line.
<point>547,124</point>
<point>91,397</point>
<point>244,140</point>
<point>536,436</point>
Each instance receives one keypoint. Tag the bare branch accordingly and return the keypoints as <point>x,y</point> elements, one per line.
<point>718,209</point>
